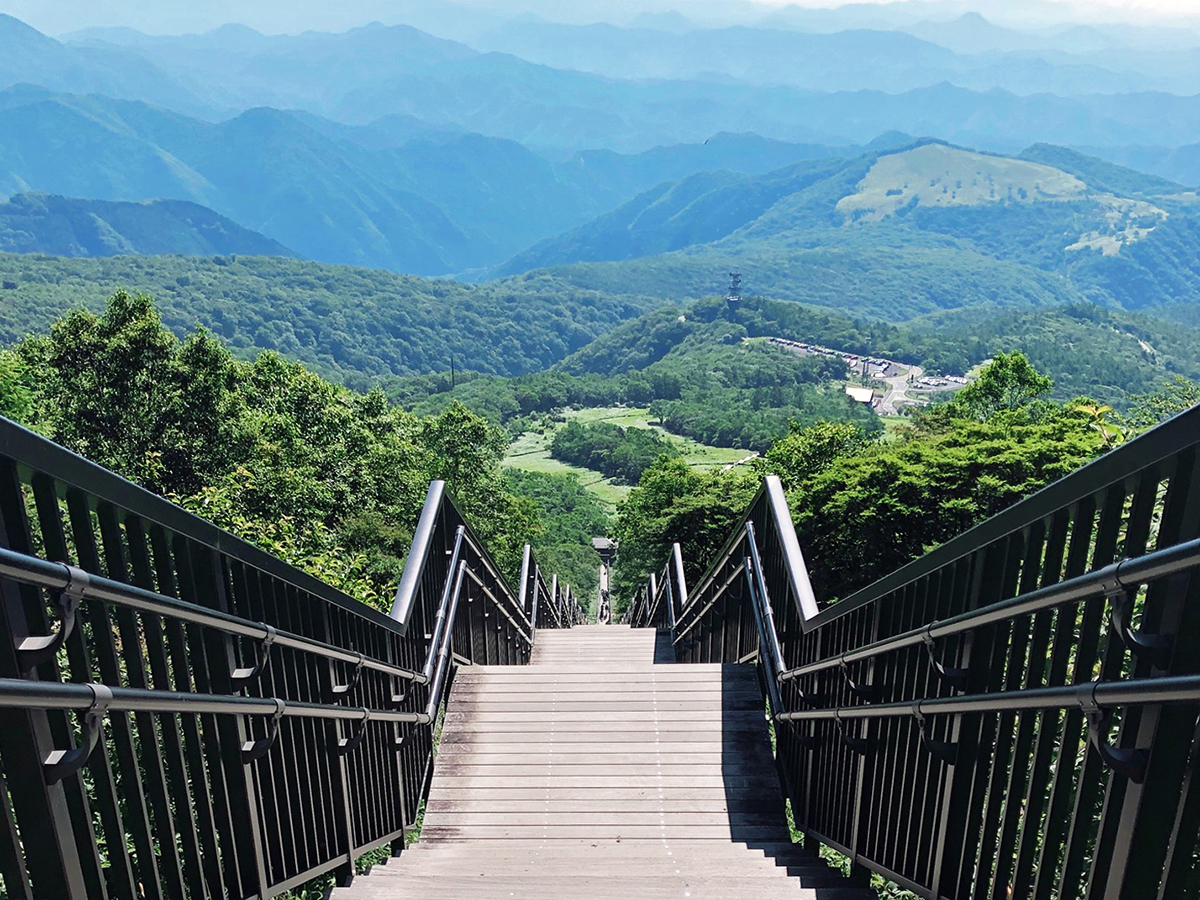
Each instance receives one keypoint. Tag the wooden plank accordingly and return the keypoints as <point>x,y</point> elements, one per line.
<point>647,746</point>
<point>601,796</point>
<point>613,707</point>
<point>622,831</point>
<point>516,733</point>
<point>531,804</point>
<point>633,717</point>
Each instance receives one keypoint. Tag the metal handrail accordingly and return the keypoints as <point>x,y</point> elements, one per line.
<point>662,598</point>
<point>444,648</point>
<point>1108,581</point>
<point>418,554</point>
<point>435,639</point>
<point>764,620</point>
<point>1135,692</point>
<point>772,494</point>
<point>59,577</point>
<point>437,501</point>
<point>19,693</point>
<point>31,450</point>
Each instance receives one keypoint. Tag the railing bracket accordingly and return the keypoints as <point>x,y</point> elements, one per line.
<point>943,750</point>
<point>340,691</point>
<point>252,751</point>
<point>859,745</point>
<point>807,741</point>
<point>346,745</point>
<point>34,651</point>
<point>241,678</point>
<point>62,764</point>
<point>956,678</point>
<point>404,739</point>
<point>400,694</point>
<point>1154,648</point>
<point>863,690</point>
<point>1124,761</point>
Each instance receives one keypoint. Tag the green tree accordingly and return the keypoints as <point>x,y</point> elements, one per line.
<point>16,390</point>
<point>1176,396</point>
<point>123,391</point>
<point>807,451</point>
<point>674,503</point>
<point>329,478</point>
<point>868,513</point>
<point>1008,382</point>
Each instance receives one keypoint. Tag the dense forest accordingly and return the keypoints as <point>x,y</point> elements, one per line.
<point>863,505</point>
<point>330,479</point>
<point>359,327</point>
<point>622,454</point>
<point>418,338</point>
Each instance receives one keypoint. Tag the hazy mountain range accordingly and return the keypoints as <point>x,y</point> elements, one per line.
<point>490,141</point>
<point>39,223</point>
<point>568,87</point>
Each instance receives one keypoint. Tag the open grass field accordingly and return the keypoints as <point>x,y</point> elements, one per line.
<point>531,451</point>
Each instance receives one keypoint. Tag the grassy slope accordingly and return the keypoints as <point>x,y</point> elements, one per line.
<point>531,451</point>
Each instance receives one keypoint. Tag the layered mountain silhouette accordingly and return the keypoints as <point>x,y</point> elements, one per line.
<point>899,233</point>
<point>62,226</point>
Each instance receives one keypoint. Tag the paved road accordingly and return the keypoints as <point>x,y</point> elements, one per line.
<point>897,390</point>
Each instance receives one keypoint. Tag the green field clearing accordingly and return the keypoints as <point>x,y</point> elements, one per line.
<point>531,451</point>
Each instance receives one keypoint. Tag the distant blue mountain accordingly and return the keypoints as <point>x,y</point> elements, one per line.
<point>395,194</point>
<point>61,226</point>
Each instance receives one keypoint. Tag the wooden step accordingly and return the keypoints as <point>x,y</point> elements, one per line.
<point>596,774</point>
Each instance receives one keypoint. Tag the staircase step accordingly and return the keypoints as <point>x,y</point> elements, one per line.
<point>596,774</point>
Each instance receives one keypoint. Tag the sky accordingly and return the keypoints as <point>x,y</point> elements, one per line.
<point>57,17</point>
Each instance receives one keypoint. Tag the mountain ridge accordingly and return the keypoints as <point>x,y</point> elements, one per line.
<point>842,233</point>
<point>71,227</point>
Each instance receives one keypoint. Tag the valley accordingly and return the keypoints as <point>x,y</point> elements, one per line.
<point>407,302</point>
<point>530,451</point>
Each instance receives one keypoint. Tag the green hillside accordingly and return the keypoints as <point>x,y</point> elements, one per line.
<point>358,326</point>
<point>61,226</point>
<point>900,233</point>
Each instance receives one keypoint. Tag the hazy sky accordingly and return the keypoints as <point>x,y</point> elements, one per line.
<point>176,16</point>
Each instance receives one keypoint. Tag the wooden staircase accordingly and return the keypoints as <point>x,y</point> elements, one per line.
<point>597,774</point>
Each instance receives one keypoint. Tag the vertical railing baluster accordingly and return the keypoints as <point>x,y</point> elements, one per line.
<point>26,737</point>
<point>194,773</point>
<point>50,524</point>
<point>177,791</point>
<point>1172,608</point>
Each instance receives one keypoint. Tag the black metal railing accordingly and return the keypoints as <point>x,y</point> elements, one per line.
<point>1015,714</point>
<point>242,727</point>
<point>547,606</point>
<point>658,603</point>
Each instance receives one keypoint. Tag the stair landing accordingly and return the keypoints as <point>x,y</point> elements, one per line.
<point>596,774</point>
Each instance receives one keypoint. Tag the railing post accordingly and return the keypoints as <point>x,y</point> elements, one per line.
<point>52,856</point>
<point>208,572</point>
<point>959,780</point>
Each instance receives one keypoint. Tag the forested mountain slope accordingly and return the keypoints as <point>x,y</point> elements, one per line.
<point>354,325</point>
<point>901,233</point>
<point>62,226</point>
<point>395,194</point>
